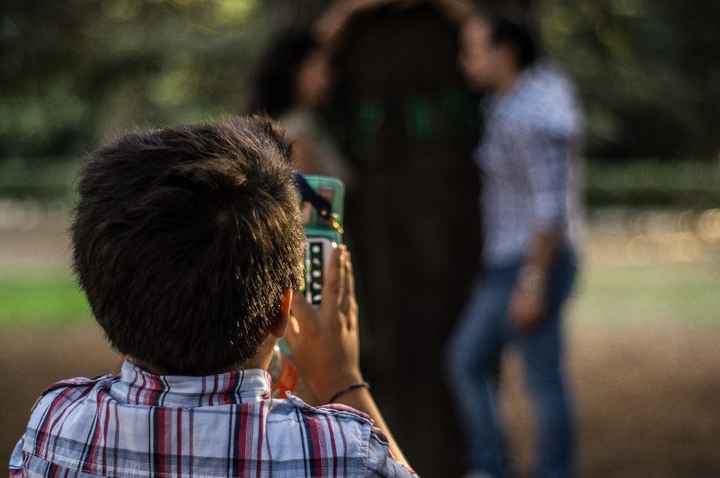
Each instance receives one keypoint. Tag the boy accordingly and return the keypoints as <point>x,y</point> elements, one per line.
<point>188,244</point>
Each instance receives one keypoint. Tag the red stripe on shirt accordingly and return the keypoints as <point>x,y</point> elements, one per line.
<point>49,420</point>
<point>334,455</point>
<point>90,464</point>
<point>317,454</point>
<point>161,441</point>
<point>260,439</point>
<point>106,426</point>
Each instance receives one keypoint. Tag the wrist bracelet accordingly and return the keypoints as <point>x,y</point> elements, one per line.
<point>352,387</point>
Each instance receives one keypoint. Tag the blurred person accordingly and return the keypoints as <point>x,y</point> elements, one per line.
<point>293,81</point>
<point>188,244</point>
<point>530,209</point>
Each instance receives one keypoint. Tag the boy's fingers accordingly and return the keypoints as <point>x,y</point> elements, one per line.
<point>345,293</point>
<point>352,312</point>
<point>349,276</point>
<point>301,310</point>
<point>334,277</point>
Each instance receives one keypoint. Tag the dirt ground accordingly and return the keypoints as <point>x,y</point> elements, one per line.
<point>647,400</point>
<point>647,395</point>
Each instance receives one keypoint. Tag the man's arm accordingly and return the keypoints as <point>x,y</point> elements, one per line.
<point>330,25</point>
<point>547,164</point>
<point>325,345</point>
<point>457,10</point>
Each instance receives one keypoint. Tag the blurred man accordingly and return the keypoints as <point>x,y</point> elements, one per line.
<point>528,162</point>
<point>188,244</point>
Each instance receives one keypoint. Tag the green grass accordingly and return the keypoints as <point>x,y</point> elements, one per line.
<point>607,293</point>
<point>41,299</point>
<point>628,293</point>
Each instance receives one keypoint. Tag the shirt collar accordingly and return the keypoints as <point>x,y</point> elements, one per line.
<point>137,386</point>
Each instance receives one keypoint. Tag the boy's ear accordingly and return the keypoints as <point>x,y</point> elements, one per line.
<point>280,322</point>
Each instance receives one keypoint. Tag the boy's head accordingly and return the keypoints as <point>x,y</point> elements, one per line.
<point>185,239</point>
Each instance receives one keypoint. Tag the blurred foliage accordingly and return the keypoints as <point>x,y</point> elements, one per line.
<point>648,72</point>
<point>650,183</point>
<point>74,72</point>
<point>77,70</point>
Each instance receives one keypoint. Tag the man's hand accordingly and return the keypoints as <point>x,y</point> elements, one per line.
<point>526,310</point>
<point>527,300</point>
<point>324,341</point>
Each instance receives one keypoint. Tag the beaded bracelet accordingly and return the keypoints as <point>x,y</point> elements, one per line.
<point>352,387</point>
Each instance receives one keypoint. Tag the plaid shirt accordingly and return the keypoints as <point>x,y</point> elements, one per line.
<point>529,164</point>
<point>139,424</point>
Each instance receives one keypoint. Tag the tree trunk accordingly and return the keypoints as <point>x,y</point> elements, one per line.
<point>408,123</point>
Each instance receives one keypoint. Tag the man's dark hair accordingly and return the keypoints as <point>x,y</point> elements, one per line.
<point>184,239</point>
<point>519,36</point>
<point>274,81</point>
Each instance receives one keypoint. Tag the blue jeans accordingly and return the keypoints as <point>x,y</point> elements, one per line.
<point>474,356</point>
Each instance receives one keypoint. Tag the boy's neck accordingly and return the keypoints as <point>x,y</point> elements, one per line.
<point>260,360</point>
<point>251,363</point>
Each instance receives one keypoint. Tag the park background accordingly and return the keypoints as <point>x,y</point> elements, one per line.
<point>644,328</point>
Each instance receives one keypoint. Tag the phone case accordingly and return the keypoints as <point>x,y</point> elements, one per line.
<point>322,237</point>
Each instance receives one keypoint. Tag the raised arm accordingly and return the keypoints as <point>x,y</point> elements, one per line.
<point>330,25</point>
<point>325,345</point>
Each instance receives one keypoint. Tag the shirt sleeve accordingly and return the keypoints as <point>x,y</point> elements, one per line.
<point>547,162</point>
<point>381,464</point>
<point>16,461</point>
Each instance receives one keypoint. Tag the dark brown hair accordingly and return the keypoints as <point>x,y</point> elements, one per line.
<point>184,239</point>
<point>514,31</point>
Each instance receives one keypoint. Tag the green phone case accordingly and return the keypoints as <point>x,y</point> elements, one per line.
<point>333,190</point>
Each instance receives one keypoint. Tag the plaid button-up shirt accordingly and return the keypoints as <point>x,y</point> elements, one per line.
<point>529,163</point>
<point>139,424</point>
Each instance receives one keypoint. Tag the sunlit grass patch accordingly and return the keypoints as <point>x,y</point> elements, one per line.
<point>41,299</point>
<point>618,293</point>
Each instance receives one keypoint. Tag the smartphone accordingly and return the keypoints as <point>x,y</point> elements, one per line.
<point>323,234</point>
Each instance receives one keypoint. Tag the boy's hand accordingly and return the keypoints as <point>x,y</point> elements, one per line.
<point>324,341</point>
